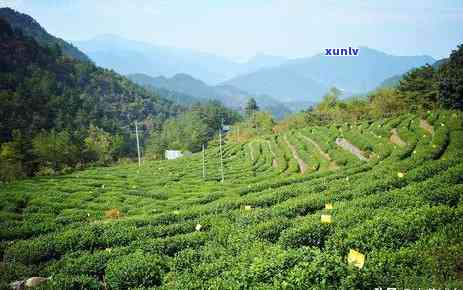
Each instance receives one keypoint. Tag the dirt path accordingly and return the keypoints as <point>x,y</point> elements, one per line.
<point>395,138</point>
<point>346,145</point>
<point>426,126</point>
<point>274,161</point>
<point>300,162</point>
<point>326,156</point>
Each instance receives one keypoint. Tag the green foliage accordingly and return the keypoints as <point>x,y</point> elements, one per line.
<point>101,146</point>
<point>450,80</point>
<point>135,270</point>
<point>261,228</point>
<point>387,102</point>
<point>418,88</point>
<point>250,108</point>
<point>10,162</point>
<point>54,149</point>
<point>186,132</point>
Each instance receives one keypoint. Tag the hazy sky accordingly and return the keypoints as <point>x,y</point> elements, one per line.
<point>239,29</point>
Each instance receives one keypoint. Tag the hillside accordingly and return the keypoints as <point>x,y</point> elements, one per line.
<point>395,80</point>
<point>44,92</point>
<point>267,226</point>
<point>230,96</point>
<point>31,28</point>
<point>309,78</point>
<point>175,96</point>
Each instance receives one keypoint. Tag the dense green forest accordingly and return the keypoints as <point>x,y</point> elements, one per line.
<point>59,112</point>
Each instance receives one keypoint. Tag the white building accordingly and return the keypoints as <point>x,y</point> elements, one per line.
<point>173,154</point>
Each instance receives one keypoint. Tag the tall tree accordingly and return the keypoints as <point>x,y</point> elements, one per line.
<point>250,108</point>
<point>450,80</point>
<point>418,88</point>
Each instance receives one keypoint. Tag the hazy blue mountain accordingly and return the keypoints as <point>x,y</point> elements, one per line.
<point>286,85</point>
<point>394,81</point>
<point>32,28</point>
<point>177,97</point>
<point>355,73</point>
<point>260,61</point>
<point>308,78</point>
<point>183,85</point>
<point>391,82</point>
<point>129,57</point>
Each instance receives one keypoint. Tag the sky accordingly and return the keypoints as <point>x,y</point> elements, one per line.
<point>240,29</point>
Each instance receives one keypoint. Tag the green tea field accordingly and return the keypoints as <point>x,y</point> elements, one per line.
<point>292,211</point>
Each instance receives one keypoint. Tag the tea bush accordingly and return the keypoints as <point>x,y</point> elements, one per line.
<point>259,229</point>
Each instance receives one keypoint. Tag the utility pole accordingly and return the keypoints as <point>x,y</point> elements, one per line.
<point>220,146</point>
<point>204,164</point>
<point>138,145</point>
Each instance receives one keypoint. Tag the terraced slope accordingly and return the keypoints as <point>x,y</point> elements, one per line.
<point>169,228</point>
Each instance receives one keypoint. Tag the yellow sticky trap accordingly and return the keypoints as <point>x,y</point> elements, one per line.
<point>400,174</point>
<point>326,219</point>
<point>176,212</point>
<point>198,227</point>
<point>328,206</point>
<point>247,207</point>
<point>356,259</point>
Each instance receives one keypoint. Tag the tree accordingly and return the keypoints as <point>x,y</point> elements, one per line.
<point>186,132</point>
<point>326,109</point>
<point>250,108</point>
<point>386,102</point>
<point>101,146</point>
<point>418,88</point>
<point>263,122</point>
<point>54,149</point>
<point>450,80</point>
<point>11,166</point>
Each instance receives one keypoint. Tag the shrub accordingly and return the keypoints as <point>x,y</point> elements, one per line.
<point>270,230</point>
<point>324,271</point>
<point>135,270</point>
<point>311,233</point>
<point>30,251</point>
<point>172,245</point>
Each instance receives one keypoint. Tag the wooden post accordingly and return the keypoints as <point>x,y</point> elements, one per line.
<point>204,164</point>
<point>138,145</point>
<point>220,146</point>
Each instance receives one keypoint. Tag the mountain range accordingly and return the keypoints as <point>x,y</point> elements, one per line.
<point>184,86</point>
<point>185,76</point>
<point>290,81</point>
<point>129,57</point>
<point>308,78</point>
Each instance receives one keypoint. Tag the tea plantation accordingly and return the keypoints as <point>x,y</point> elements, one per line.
<point>163,226</point>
